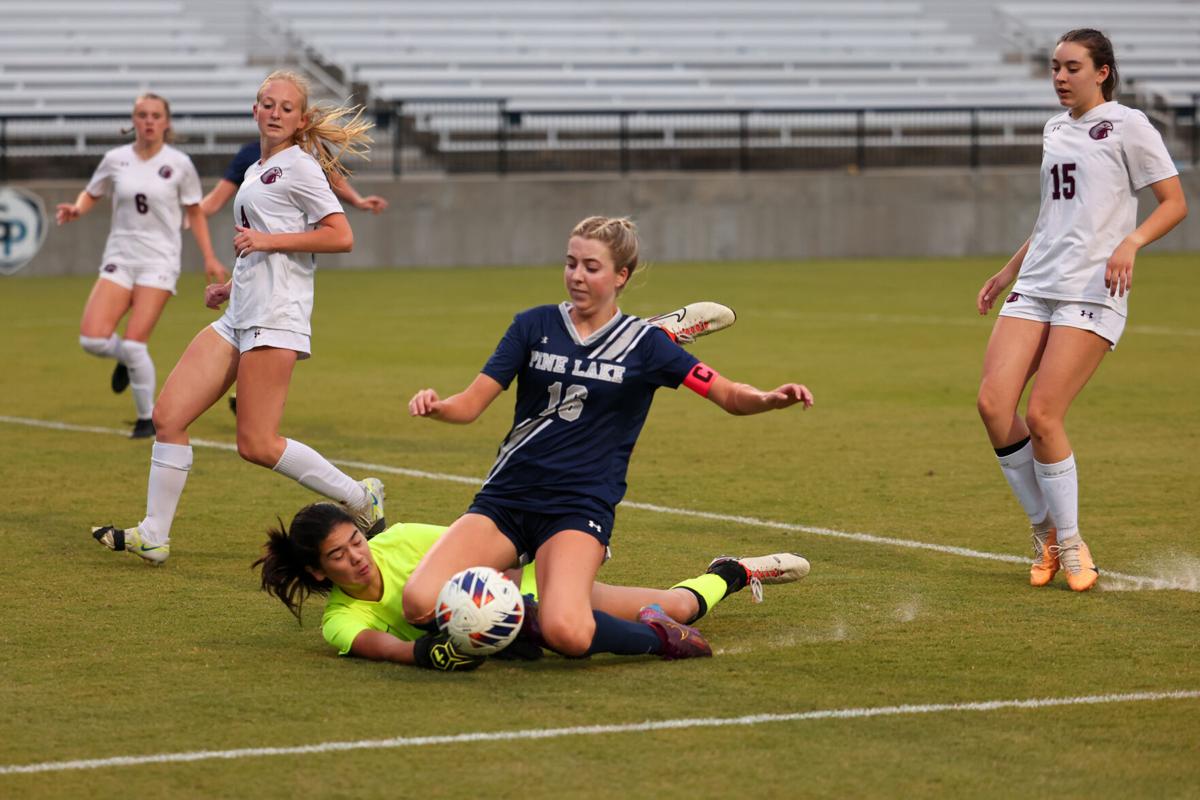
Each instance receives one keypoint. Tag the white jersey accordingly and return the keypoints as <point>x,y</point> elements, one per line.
<point>287,193</point>
<point>1092,168</point>
<point>147,199</point>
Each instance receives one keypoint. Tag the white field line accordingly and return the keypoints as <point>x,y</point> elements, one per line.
<point>967,320</point>
<point>1122,580</point>
<point>592,730</point>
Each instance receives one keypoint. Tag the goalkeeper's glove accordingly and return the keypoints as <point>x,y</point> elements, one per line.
<point>436,651</point>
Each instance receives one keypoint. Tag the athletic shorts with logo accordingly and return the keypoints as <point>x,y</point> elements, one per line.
<point>127,276</point>
<point>1099,319</point>
<point>529,530</point>
<point>246,339</point>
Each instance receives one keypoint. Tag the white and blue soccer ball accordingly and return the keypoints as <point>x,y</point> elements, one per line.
<point>481,610</point>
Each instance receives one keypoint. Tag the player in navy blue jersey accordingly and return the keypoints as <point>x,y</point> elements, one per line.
<point>586,375</point>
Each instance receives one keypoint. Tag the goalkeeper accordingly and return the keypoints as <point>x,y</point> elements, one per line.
<point>323,552</point>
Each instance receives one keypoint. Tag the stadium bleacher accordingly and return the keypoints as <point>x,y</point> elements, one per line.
<point>614,53</point>
<point>1157,44</point>
<point>474,75</point>
<point>65,56</point>
<point>571,76</point>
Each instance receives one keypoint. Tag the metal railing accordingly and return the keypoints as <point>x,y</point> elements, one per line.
<point>434,137</point>
<point>493,136</point>
<point>70,145</point>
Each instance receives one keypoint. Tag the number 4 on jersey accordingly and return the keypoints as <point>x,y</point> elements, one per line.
<point>1064,186</point>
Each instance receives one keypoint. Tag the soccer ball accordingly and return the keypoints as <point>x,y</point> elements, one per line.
<point>481,610</point>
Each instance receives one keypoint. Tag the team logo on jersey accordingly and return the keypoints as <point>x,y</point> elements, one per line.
<point>272,175</point>
<point>22,228</point>
<point>164,171</point>
<point>1100,130</point>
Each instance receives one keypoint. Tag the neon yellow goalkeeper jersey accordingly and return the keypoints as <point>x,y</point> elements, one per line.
<point>397,551</point>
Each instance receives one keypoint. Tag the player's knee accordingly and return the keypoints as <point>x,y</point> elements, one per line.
<point>570,635</point>
<point>257,449</point>
<point>1040,421</point>
<point>680,605</point>
<point>417,603</point>
<point>167,421</point>
<point>94,344</point>
<point>990,407</point>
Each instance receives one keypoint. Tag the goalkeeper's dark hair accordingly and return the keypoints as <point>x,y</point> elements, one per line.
<point>289,555</point>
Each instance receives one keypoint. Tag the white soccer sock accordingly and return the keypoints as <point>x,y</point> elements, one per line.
<point>1060,485</point>
<point>142,379</point>
<point>1018,471</point>
<point>169,465</point>
<point>104,348</point>
<point>312,471</point>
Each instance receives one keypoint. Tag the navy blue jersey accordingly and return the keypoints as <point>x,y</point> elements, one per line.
<point>580,406</point>
<point>241,162</point>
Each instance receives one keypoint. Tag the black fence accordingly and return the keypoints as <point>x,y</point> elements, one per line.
<point>435,137</point>
<point>492,136</point>
<point>71,145</point>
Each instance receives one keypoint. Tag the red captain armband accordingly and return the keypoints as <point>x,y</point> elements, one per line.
<point>700,379</point>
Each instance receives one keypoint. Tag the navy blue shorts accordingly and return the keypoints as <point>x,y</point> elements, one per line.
<point>529,530</point>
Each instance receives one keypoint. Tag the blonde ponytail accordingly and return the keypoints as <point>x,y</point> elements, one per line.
<point>332,132</point>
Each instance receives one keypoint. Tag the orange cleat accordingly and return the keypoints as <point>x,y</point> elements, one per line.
<point>1045,560</point>
<point>1076,559</point>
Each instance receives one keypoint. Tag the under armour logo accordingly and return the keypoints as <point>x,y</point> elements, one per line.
<point>257,332</point>
<point>545,340</point>
<point>1088,314</point>
<point>592,524</point>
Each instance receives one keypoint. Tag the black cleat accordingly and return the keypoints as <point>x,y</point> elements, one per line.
<point>120,378</point>
<point>143,429</point>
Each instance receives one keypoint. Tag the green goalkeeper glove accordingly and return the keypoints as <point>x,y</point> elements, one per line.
<point>436,651</point>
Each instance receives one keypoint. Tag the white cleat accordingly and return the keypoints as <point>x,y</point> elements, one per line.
<point>775,568</point>
<point>130,540</point>
<point>685,325</point>
<point>369,519</point>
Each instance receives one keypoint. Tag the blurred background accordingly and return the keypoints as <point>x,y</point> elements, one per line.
<point>763,129</point>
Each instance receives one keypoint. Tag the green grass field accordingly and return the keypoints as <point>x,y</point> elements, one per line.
<point>102,656</point>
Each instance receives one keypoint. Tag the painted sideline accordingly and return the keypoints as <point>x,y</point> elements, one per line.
<point>592,730</point>
<point>1115,579</point>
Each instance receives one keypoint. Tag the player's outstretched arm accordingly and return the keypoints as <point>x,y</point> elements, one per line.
<point>348,194</point>
<point>461,408</point>
<point>742,399</point>
<point>429,652</point>
<point>221,194</point>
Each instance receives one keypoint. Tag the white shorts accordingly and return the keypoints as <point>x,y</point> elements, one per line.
<point>129,276</point>
<point>1099,319</point>
<point>246,339</point>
